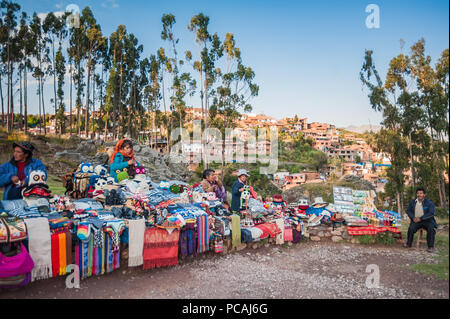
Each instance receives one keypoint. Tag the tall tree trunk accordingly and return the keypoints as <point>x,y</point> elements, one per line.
<point>43,106</point>
<point>12,101</point>
<point>8,121</point>
<point>25,98</point>
<point>94,116</point>
<point>70,103</point>
<point>86,121</point>
<point>54,80</point>
<point>1,97</point>
<point>120,98</point>
<point>78,100</point>
<point>21,100</point>
<point>40,105</point>
<point>101,104</point>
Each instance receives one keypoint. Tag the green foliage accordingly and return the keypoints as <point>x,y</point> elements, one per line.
<point>366,239</point>
<point>441,212</point>
<point>414,103</point>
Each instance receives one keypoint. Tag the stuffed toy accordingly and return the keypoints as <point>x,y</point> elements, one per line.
<point>37,177</point>
<point>100,184</point>
<point>185,198</point>
<point>100,170</point>
<point>164,185</point>
<point>197,196</point>
<point>110,180</point>
<point>122,175</point>
<point>86,168</point>
<point>245,196</point>
<point>138,170</point>
<point>175,189</point>
<point>211,196</point>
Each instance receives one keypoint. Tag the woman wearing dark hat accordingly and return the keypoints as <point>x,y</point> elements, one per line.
<point>14,174</point>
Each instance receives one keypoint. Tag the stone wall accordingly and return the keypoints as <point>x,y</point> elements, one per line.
<point>326,233</point>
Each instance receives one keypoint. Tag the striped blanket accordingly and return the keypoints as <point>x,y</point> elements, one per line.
<point>371,230</point>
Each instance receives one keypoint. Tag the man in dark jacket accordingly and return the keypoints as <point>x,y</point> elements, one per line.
<point>15,173</point>
<point>237,189</point>
<point>421,213</point>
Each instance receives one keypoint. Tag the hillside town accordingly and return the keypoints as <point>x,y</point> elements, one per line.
<point>352,153</point>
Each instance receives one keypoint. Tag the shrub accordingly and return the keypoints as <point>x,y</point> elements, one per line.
<point>441,212</point>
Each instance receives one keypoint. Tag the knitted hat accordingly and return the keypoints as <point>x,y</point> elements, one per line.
<point>25,146</point>
<point>278,199</point>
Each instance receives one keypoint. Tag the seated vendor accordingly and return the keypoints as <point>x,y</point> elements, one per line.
<point>237,189</point>
<point>211,183</point>
<point>15,173</point>
<point>123,158</point>
<point>421,213</point>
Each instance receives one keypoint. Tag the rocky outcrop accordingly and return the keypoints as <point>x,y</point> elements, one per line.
<point>159,166</point>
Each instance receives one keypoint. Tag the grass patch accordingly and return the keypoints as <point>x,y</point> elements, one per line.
<point>440,269</point>
<point>55,185</point>
<point>366,239</point>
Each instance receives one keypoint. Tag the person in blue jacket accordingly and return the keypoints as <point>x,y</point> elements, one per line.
<point>237,189</point>
<point>421,213</point>
<point>14,174</point>
<point>123,157</point>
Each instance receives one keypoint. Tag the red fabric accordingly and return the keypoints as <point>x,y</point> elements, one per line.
<point>269,229</point>
<point>253,193</point>
<point>117,149</point>
<point>55,254</point>
<point>370,230</point>
<point>21,170</point>
<point>288,236</point>
<point>160,248</point>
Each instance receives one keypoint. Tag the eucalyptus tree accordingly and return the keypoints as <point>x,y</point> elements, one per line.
<point>77,54</point>
<point>10,52</point>
<point>412,99</point>
<point>54,28</point>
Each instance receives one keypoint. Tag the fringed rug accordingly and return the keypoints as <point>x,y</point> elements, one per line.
<point>160,248</point>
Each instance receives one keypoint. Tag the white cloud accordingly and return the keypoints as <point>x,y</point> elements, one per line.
<point>110,3</point>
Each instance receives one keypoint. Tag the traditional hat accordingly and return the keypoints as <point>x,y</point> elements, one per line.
<point>318,202</point>
<point>243,172</point>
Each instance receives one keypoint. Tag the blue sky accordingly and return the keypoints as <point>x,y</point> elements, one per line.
<point>306,54</point>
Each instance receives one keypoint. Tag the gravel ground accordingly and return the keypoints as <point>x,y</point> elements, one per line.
<point>304,270</point>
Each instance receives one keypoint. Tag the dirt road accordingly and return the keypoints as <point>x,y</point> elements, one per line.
<point>304,270</point>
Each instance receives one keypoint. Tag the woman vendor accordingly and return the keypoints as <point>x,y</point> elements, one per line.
<point>15,173</point>
<point>123,158</point>
<point>211,183</point>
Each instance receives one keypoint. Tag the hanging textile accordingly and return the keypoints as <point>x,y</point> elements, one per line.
<point>279,239</point>
<point>203,233</point>
<point>235,230</point>
<point>136,229</point>
<point>188,240</point>
<point>40,247</point>
<point>160,248</point>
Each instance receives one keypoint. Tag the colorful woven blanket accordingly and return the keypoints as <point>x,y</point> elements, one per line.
<point>203,233</point>
<point>160,248</point>
<point>61,252</point>
<point>371,230</point>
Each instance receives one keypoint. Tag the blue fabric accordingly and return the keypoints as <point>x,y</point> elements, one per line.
<point>246,236</point>
<point>8,170</point>
<point>236,195</point>
<point>8,205</point>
